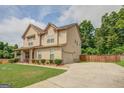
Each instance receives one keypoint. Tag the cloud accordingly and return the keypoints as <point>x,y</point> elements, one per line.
<point>11,29</point>
<point>44,11</point>
<point>7,11</point>
<point>92,12</point>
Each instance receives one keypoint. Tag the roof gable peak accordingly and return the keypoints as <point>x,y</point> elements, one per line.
<point>36,28</point>
<point>50,24</point>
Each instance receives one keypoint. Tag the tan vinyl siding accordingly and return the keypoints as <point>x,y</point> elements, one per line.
<point>30,32</point>
<point>62,37</point>
<point>50,33</point>
<point>73,47</point>
<point>67,58</point>
<point>46,53</point>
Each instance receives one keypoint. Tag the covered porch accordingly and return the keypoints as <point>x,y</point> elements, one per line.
<point>26,54</point>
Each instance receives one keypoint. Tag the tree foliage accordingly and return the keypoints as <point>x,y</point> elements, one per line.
<point>87,34</point>
<point>6,51</point>
<point>109,38</point>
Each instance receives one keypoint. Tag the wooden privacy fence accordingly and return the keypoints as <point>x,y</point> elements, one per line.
<point>100,58</point>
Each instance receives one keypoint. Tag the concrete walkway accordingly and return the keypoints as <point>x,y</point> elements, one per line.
<point>84,75</point>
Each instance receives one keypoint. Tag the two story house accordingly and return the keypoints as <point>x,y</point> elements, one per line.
<point>51,43</point>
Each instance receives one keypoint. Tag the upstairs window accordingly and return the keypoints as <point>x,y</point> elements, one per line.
<point>50,39</point>
<point>30,39</point>
<point>30,44</point>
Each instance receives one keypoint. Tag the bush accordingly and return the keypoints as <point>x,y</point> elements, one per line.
<point>13,60</point>
<point>43,61</point>
<point>33,61</point>
<point>38,62</point>
<point>83,50</point>
<point>51,61</point>
<point>58,61</point>
<point>16,59</point>
<point>118,50</point>
<point>90,51</point>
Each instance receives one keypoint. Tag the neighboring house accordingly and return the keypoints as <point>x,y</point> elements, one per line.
<point>51,43</point>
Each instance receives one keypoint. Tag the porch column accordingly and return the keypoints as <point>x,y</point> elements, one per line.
<point>15,54</point>
<point>22,55</point>
<point>30,55</point>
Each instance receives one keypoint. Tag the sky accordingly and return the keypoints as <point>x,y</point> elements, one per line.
<point>15,19</point>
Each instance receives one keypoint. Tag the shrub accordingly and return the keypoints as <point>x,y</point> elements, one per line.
<point>118,50</point>
<point>38,62</point>
<point>58,61</point>
<point>16,59</point>
<point>43,61</point>
<point>83,50</point>
<point>13,60</point>
<point>33,61</point>
<point>47,62</point>
<point>90,51</point>
<point>51,61</point>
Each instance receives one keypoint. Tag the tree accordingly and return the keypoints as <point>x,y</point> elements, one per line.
<point>6,51</point>
<point>100,41</point>
<point>108,38</point>
<point>119,26</point>
<point>87,34</point>
<point>1,53</point>
<point>118,50</point>
<point>1,45</point>
<point>15,46</point>
<point>111,34</point>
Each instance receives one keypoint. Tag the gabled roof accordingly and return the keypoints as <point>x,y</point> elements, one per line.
<point>67,26</point>
<point>50,24</point>
<point>37,29</point>
<point>43,31</point>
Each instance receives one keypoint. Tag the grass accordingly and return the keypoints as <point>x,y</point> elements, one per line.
<point>121,63</point>
<point>22,75</point>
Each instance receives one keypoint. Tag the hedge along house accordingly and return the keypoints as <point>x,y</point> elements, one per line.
<point>51,43</point>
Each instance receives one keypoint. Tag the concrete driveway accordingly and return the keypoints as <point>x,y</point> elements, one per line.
<point>84,75</point>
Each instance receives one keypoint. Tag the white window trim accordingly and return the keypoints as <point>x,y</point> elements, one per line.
<point>50,39</point>
<point>39,53</point>
<point>30,44</point>
<point>52,52</point>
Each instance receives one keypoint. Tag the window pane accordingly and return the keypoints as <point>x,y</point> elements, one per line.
<point>30,43</point>
<point>39,56</point>
<point>52,40</point>
<point>52,56</point>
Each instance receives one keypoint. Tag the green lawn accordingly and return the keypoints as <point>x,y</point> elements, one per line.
<point>121,63</point>
<point>22,75</point>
